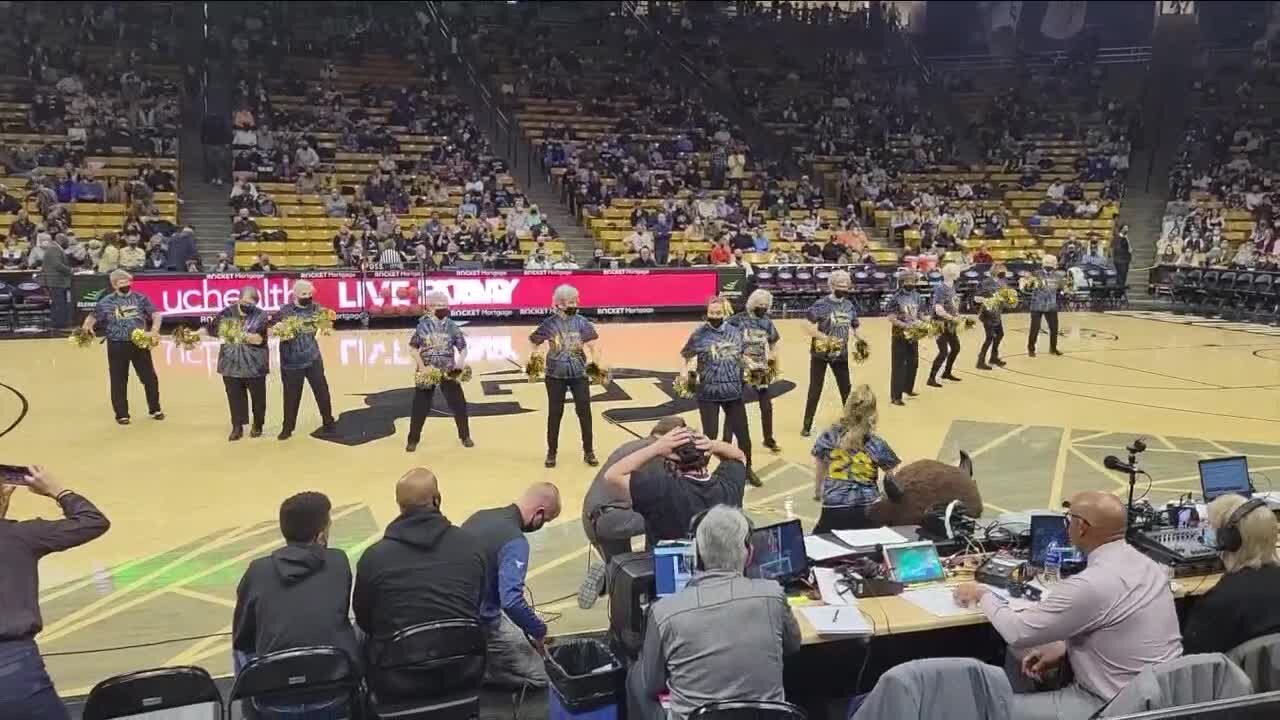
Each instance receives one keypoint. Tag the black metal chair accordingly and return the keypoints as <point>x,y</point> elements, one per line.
<point>151,690</point>
<point>433,670</point>
<point>748,710</point>
<point>32,308</point>
<point>315,676</point>
<point>8,321</point>
<point>1263,294</point>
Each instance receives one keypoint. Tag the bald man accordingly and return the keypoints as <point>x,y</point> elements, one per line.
<point>1110,621</point>
<point>424,569</point>
<point>515,632</point>
<point>244,364</point>
<point>300,361</point>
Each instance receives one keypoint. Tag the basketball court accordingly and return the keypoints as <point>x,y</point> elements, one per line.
<point>189,510</point>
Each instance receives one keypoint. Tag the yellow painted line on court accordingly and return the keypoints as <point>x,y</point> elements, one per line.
<point>1092,436</point>
<point>990,506</point>
<point>999,441</point>
<point>93,578</point>
<point>206,597</point>
<point>116,607</point>
<point>1168,445</point>
<point>1188,478</point>
<point>1102,470</point>
<point>200,648</point>
<point>1221,448</point>
<point>1163,450</point>
<point>1060,468</point>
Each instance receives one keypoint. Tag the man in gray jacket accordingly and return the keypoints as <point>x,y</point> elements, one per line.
<point>55,276</point>
<point>722,637</point>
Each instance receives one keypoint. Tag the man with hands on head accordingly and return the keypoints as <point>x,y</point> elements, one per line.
<point>1110,621</point>
<point>24,682</point>
<point>669,500</point>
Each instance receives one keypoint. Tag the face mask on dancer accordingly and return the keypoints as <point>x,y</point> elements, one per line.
<point>840,294</point>
<point>570,311</point>
<point>715,322</point>
<point>304,302</point>
<point>760,312</point>
<point>442,313</point>
<point>124,289</point>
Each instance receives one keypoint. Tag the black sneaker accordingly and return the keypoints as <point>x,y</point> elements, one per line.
<point>772,446</point>
<point>550,461</point>
<point>237,432</point>
<point>589,457</point>
<point>255,431</point>
<point>284,435</point>
<point>911,393</point>
<point>951,377</point>
<point>805,433</point>
<point>157,415</point>
<point>982,366</point>
<point>411,446</point>
<point>933,383</point>
<point>1031,352</point>
<point>897,401</point>
<point>753,479</point>
<point>1055,351</point>
<point>328,429</point>
<point>467,442</point>
<point>122,421</point>
<point>997,362</point>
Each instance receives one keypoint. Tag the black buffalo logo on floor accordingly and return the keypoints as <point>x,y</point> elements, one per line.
<point>383,409</point>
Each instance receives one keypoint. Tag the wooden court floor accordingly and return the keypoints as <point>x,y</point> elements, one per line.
<point>189,510</point>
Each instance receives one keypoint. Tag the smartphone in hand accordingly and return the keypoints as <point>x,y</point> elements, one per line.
<point>15,474</point>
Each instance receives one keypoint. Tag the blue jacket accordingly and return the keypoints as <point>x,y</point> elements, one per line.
<point>501,536</point>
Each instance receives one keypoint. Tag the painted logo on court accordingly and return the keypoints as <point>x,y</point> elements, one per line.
<point>383,409</point>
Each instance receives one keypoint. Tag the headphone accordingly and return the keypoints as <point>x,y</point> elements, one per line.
<point>693,533</point>
<point>1228,537</point>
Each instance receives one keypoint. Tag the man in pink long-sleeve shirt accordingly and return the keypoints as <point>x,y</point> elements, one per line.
<point>1110,621</point>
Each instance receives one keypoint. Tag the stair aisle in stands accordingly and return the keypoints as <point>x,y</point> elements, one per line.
<point>204,206</point>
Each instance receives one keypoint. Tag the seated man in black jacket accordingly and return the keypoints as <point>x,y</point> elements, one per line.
<point>424,569</point>
<point>298,596</point>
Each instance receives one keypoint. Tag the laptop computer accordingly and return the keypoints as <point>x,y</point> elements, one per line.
<point>1225,475</point>
<point>777,553</point>
<point>672,566</point>
<point>915,563</point>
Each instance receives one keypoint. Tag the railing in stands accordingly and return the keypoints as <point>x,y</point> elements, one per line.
<point>1104,56</point>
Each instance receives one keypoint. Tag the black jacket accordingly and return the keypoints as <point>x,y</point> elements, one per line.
<point>422,570</point>
<point>1245,604</point>
<point>295,597</point>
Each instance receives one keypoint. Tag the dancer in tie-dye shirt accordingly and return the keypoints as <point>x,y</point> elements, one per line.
<point>833,321</point>
<point>119,314</point>
<point>572,344</point>
<point>759,338</point>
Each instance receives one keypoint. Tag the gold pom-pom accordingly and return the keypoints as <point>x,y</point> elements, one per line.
<point>860,351</point>
<point>81,337</point>
<point>1030,282</point>
<point>428,377</point>
<point>324,320</point>
<point>459,375</point>
<point>598,374</point>
<point>536,367</point>
<point>140,338</point>
<point>185,338</point>
<point>231,331</point>
<point>686,384</point>
<point>288,328</point>
<point>968,323</point>
<point>826,345</point>
<point>1008,297</point>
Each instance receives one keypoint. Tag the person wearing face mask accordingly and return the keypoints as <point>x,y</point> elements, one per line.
<point>424,569</point>
<point>516,635</point>
<point>946,309</point>
<point>244,361</point>
<point>904,351</point>
<point>439,343</point>
<point>992,323</point>
<point>132,256</point>
<point>833,319</point>
<point>1044,304</point>
<point>572,344</point>
<point>715,349</point>
<point>122,312</point>
<point>759,338</point>
<point>300,361</point>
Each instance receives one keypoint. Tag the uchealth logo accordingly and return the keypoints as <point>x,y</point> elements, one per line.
<point>384,409</point>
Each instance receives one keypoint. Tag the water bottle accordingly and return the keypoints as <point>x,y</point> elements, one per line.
<point>1052,564</point>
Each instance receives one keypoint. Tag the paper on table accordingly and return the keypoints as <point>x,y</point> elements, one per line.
<point>871,537</point>
<point>821,549</point>
<point>832,620</point>
<point>830,589</point>
<point>937,601</point>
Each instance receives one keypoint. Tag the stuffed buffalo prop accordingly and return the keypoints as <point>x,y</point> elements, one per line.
<point>923,484</point>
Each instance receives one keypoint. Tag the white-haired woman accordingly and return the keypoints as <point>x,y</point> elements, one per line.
<point>946,309</point>
<point>904,350</point>
<point>716,349</point>
<point>440,344</point>
<point>300,361</point>
<point>991,317</point>
<point>1245,603</point>
<point>122,312</point>
<point>833,317</point>
<point>244,361</point>
<point>1044,303</point>
<point>759,339</point>
<point>572,344</point>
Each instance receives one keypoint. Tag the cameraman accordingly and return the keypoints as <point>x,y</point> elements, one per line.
<point>24,683</point>
<point>669,500</point>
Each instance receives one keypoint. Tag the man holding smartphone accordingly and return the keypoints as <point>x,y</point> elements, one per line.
<point>24,682</point>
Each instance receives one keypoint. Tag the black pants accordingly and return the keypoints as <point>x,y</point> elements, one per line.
<point>581,389</point>
<point>60,306</point>
<point>735,422</point>
<point>1122,272</point>
<point>843,518</point>
<point>904,360</point>
<point>1034,334</point>
<point>765,400</point>
<point>993,334</point>
<point>422,399</point>
<point>120,355</point>
<point>610,529</point>
<point>817,376</point>
<point>292,380</point>
<point>948,349</point>
<point>240,393</point>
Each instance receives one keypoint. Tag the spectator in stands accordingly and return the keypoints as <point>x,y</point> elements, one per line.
<point>982,256</point>
<point>22,227</point>
<point>722,637</point>
<point>55,277</point>
<point>1117,614</point>
<point>181,250</point>
<point>25,686</point>
<point>516,634</point>
<point>389,258</point>
<point>263,264</point>
<point>423,570</point>
<point>132,255</point>
<point>244,195</point>
<point>223,264</point>
<point>244,228</point>
<point>215,136</point>
<point>299,595</point>
<point>13,257</point>
<point>566,262</point>
<point>538,261</point>
<point>335,204</point>
<point>644,259</point>
<point>721,254</point>
<point>1245,604</point>
<point>307,158</point>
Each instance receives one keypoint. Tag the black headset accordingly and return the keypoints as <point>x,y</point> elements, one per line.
<point>693,534</point>
<point>1228,537</point>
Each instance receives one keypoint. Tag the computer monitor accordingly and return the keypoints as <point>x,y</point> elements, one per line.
<point>777,552</point>
<point>914,563</point>
<point>1222,476</point>
<point>672,567</point>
